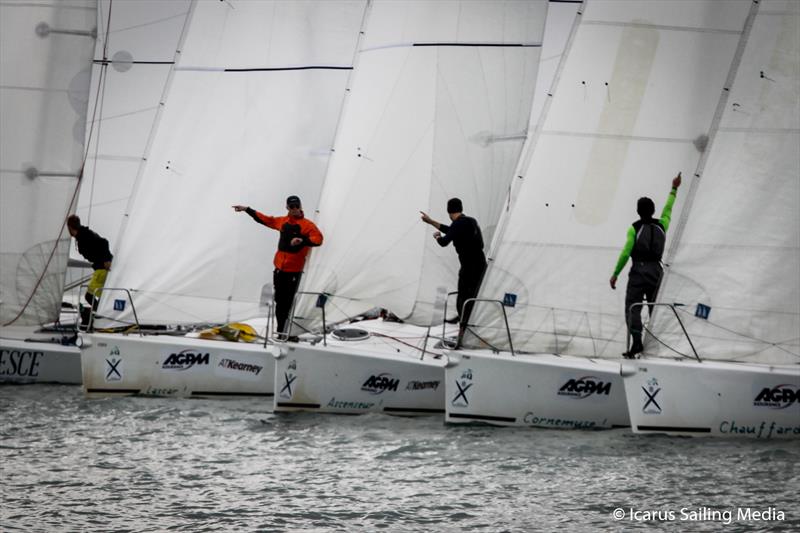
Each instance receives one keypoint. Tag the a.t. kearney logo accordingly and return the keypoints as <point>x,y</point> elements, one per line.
<point>185,360</point>
<point>233,364</point>
<point>422,385</point>
<point>380,383</point>
<point>584,387</point>
<point>778,397</point>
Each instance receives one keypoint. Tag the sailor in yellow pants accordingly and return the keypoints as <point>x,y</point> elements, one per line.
<point>95,249</point>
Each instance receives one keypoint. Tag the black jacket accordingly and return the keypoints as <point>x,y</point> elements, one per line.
<point>466,236</point>
<point>93,247</point>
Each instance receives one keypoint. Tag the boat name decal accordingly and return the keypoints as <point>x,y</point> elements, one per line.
<point>344,404</point>
<point>13,363</point>
<point>760,431</point>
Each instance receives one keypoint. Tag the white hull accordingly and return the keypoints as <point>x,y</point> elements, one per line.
<point>713,398</point>
<point>174,366</point>
<point>379,374</point>
<point>534,391</point>
<point>29,361</point>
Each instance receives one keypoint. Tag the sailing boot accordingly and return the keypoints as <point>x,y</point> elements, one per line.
<point>636,346</point>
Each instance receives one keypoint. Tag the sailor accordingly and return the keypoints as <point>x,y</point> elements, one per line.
<point>95,249</point>
<point>297,235</point>
<point>465,234</point>
<point>645,246</point>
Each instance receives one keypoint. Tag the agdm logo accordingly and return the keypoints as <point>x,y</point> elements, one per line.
<point>777,397</point>
<point>380,383</point>
<point>185,360</point>
<point>584,387</point>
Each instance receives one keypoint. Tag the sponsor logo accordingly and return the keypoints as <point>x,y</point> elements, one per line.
<point>114,367</point>
<point>380,384</point>
<point>422,385</point>
<point>185,360</point>
<point>778,397</point>
<point>651,390</point>
<point>233,364</point>
<point>22,363</point>
<point>463,384</point>
<point>584,387</point>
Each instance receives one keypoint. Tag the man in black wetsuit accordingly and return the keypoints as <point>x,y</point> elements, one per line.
<point>465,234</point>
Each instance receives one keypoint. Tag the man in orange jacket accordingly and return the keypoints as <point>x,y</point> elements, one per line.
<point>297,235</point>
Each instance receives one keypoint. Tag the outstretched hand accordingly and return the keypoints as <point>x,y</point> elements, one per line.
<point>677,181</point>
<point>425,218</point>
<point>238,208</point>
<point>613,282</point>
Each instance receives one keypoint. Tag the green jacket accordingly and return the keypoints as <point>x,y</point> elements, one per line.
<point>666,216</point>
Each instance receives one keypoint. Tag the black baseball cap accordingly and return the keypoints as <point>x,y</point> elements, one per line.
<point>293,200</point>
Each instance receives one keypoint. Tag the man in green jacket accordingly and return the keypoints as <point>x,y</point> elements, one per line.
<point>645,246</point>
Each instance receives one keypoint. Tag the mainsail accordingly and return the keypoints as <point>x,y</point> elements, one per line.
<point>634,102</point>
<point>439,107</point>
<point>248,117</point>
<point>736,265</point>
<point>45,61</point>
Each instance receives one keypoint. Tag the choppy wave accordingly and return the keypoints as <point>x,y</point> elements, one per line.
<point>143,464</point>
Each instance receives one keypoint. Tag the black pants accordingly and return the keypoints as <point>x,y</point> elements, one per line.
<point>285,284</point>
<point>469,281</point>
<point>643,282</point>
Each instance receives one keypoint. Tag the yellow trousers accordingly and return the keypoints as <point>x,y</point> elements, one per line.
<point>97,282</point>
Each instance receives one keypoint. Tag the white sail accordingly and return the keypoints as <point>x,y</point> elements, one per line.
<point>439,108</point>
<point>45,67</point>
<point>631,108</point>
<point>248,118</point>
<point>736,265</point>
<point>133,58</point>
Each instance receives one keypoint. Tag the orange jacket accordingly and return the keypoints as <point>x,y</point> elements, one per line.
<point>290,258</point>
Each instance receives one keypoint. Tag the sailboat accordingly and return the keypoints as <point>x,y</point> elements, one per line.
<point>45,60</point>
<point>439,107</point>
<point>250,107</point>
<point>632,105</point>
<point>734,276</point>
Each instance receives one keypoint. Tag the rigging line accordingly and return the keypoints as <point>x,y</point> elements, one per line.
<point>144,24</point>
<point>742,335</point>
<point>667,346</point>
<point>397,340</point>
<point>72,203</point>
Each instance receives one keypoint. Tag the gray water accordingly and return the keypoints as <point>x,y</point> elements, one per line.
<point>143,464</point>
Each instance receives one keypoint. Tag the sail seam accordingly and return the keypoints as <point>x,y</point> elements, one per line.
<point>616,136</point>
<point>660,27</point>
<point>452,44</point>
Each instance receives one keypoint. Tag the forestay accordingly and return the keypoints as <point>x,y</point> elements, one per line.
<point>736,267</point>
<point>635,99</point>
<point>439,108</point>
<point>248,118</point>
<point>45,61</point>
